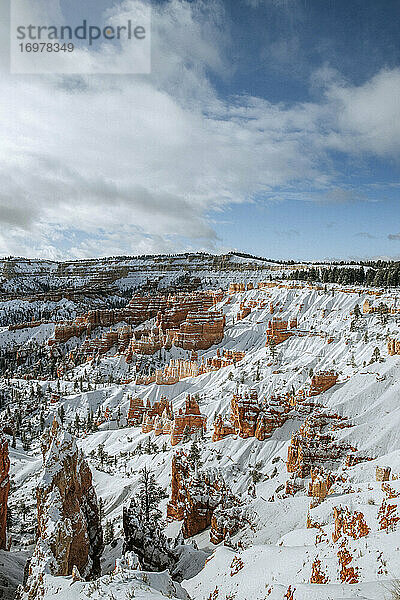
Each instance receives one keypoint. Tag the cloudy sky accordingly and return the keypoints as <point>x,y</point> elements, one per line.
<point>266,126</point>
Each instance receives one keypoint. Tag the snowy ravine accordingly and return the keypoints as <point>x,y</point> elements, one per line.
<point>276,554</point>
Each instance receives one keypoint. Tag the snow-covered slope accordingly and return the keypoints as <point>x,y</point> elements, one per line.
<point>276,550</point>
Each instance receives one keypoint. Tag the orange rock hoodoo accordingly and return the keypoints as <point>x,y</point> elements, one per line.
<point>382,473</point>
<point>182,319</point>
<point>348,523</point>
<point>69,529</point>
<point>311,448</point>
<point>201,499</point>
<point>381,308</point>
<point>251,418</point>
<point>278,331</point>
<point>320,484</point>
<point>393,347</point>
<point>317,575</point>
<point>347,574</point>
<point>190,419</point>
<point>158,417</point>
<point>161,419</point>
<point>4,490</point>
<point>246,307</point>
<point>180,369</point>
<point>193,497</point>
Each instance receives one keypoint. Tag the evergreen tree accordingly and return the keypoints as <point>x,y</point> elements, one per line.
<point>194,455</point>
<point>272,348</point>
<point>61,413</point>
<point>376,355</point>
<point>150,494</point>
<point>108,532</point>
<point>186,435</point>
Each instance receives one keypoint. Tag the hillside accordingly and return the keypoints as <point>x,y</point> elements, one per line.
<point>284,476</point>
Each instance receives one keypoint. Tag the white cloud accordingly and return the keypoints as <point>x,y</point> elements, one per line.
<point>368,116</point>
<point>106,165</point>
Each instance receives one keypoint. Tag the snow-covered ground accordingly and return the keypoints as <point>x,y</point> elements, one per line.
<point>277,550</point>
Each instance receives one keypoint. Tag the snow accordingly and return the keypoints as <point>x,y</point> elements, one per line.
<point>278,550</point>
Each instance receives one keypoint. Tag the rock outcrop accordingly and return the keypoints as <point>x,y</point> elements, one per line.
<point>188,420</point>
<point>251,417</point>
<point>195,495</point>
<point>312,447</point>
<point>321,382</point>
<point>69,530</point>
<point>279,331</point>
<point>179,368</point>
<point>4,490</point>
<point>160,418</point>
<point>347,523</point>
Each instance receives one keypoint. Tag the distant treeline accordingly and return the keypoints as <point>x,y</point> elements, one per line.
<point>387,274</point>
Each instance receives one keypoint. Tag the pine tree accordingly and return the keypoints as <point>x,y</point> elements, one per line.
<point>186,435</point>
<point>101,509</point>
<point>194,455</point>
<point>150,494</point>
<point>77,423</point>
<point>272,348</point>
<point>61,413</point>
<point>108,532</point>
<point>376,355</point>
<point>101,454</point>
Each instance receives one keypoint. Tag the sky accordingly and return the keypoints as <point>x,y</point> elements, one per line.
<point>265,126</point>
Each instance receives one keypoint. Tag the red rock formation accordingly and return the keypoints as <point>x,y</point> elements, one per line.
<point>278,331</point>
<point>348,523</point>
<point>244,413</point>
<point>290,593</point>
<point>162,409</point>
<point>347,574</point>
<point>138,310</point>
<point>194,496</point>
<point>310,447</point>
<point>354,459</point>
<point>136,412</point>
<point>176,370</point>
<point>69,529</point>
<point>222,428</point>
<point>382,473</point>
<point>393,347</point>
<point>236,287</point>
<point>389,491</point>
<point>244,311</point>
<point>250,418</point>
<point>179,368</point>
<point>274,415</point>
<point>148,343</point>
<point>179,306</point>
<point>321,382</point>
<point>189,419</point>
<point>4,490</point>
<point>199,331</point>
<point>317,575</point>
<point>387,516</point>
<point>201,499</point>
<point>319,486</point>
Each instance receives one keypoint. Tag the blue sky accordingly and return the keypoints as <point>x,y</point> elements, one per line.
<point>266,126</point>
